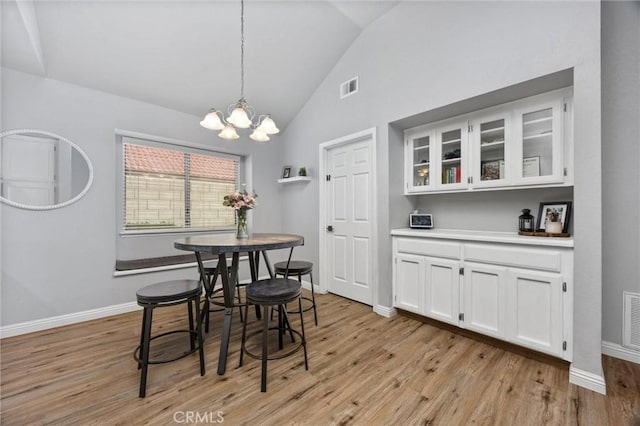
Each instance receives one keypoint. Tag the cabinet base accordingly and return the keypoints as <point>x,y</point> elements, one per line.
<point>526,352</point>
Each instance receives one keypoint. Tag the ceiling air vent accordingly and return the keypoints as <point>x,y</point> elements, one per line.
<point>349,87</point>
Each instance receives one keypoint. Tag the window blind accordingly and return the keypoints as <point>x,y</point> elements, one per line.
<point>172,188</point>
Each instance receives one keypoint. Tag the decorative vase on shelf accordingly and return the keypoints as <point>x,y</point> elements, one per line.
<point>554,227</point>
<point>241,223</point>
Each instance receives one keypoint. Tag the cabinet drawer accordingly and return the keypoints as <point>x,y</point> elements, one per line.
<point>543,260</point>
<point>426,247</point>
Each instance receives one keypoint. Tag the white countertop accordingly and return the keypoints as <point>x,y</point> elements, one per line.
<point>484,236</point>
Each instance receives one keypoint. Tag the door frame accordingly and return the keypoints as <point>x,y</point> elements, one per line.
<point>322,172</point>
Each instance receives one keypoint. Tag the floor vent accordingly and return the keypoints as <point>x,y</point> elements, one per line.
<point>349,87</point>
<point>631,320</point>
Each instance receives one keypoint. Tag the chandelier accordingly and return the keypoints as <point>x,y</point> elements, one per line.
<point>240,114</point>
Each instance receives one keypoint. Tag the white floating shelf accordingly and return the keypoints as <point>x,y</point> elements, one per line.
<point>295,179</point>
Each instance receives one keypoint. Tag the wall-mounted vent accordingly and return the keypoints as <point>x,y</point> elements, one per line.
<point>631,320</point>
<point>349,87</point>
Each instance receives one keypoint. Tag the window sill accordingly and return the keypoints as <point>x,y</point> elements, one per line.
<point>160,264</point>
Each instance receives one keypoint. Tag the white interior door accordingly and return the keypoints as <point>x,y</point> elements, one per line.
<point>28,173</point>
<point>348,209</point>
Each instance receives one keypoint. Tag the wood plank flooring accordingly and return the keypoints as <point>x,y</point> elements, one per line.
<point>363,370</point>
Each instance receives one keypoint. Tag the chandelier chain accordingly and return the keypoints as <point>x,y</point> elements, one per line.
<point>241,49</point>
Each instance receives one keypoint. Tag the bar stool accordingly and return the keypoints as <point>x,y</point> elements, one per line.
<point>274,292</point>
<point>212,293</point>
<point>160,295</point>
<point>299,268</point>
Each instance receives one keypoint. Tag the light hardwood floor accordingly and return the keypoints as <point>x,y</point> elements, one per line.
<point>363,370</point>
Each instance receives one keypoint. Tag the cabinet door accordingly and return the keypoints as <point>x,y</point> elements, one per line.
<point>409,282</point>
<point>485,299</point>
<point>452,155</point>
<point>539,139</point>
<point>419,151</point>
<point>442,290</point>
<point>491,150</point>
<point>534,315</point>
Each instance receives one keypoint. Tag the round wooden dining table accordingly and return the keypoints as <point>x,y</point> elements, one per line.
<point>223,244</point>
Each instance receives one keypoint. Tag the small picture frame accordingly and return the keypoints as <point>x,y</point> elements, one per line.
<point>558,209</point>
<point>286,172</point>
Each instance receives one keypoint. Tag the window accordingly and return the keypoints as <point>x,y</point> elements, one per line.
<point>175,188</point>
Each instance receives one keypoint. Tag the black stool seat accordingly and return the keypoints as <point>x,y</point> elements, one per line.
<point>169,291</point>
<point>299,268</point>
<point>163,294</point>
<point>273,291</point>
<point>295,267</point>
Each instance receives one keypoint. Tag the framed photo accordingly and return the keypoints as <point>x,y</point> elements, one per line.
<point>531,167</point>
<point>286,172</point>
<point>558,210</point>
<point>492,170</point>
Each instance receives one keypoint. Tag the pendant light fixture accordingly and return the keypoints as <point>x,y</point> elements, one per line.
<point>240,114</point>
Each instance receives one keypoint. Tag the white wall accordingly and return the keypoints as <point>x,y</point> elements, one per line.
<point>424,55</point>
<point>620,156</point>
<point>62,261</point>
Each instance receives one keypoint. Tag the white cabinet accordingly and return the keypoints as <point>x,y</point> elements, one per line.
<point>502,285</point>
<point>409,271</point>
<point>534,302</point>
<point>485,299</point>
<point>526,143</point>
<point>492,144</point>
<point>442,289</point>
<point>451,150</point>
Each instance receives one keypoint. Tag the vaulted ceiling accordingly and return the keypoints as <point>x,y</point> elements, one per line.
<point>185,55</point>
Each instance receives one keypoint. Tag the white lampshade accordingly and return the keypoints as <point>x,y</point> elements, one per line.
<point>212,121</point>
<point>269,126</point>
<point>239,118</point>
<point>259,135</point>
<point>229,132</point>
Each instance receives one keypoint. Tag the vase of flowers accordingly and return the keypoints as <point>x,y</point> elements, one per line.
<point>240,201</point>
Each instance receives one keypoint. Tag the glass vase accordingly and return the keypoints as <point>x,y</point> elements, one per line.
<point>241,224</point>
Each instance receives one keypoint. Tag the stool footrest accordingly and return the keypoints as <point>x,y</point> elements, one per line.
<point>136,352</point>
<point>279,356</point>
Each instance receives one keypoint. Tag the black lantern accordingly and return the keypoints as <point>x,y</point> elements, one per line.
<point>526,221</point>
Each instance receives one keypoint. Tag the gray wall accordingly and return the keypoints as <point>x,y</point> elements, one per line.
<point>424,55</point>
<point>620,156</point>
<point>62,261</point>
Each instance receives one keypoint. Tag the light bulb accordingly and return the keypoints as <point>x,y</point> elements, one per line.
<point>212,121</point>
<point>259,135</point>
<point>239,118</point>
<point>229,132</point>
<point>269,126</point>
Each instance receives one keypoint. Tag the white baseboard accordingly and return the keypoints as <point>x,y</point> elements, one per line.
<point>621,352</point>
<point>59,321</point>
<point>587,380</point>
<point>385,311</point>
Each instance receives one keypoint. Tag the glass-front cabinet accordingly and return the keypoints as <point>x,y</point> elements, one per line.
<point>524,143</point>
<point>419,152</point>
<point>491,141</point>
<point>452,153</point>
<point>539,154</point>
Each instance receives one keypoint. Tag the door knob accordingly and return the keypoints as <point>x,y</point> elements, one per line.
<point>330,228</point>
